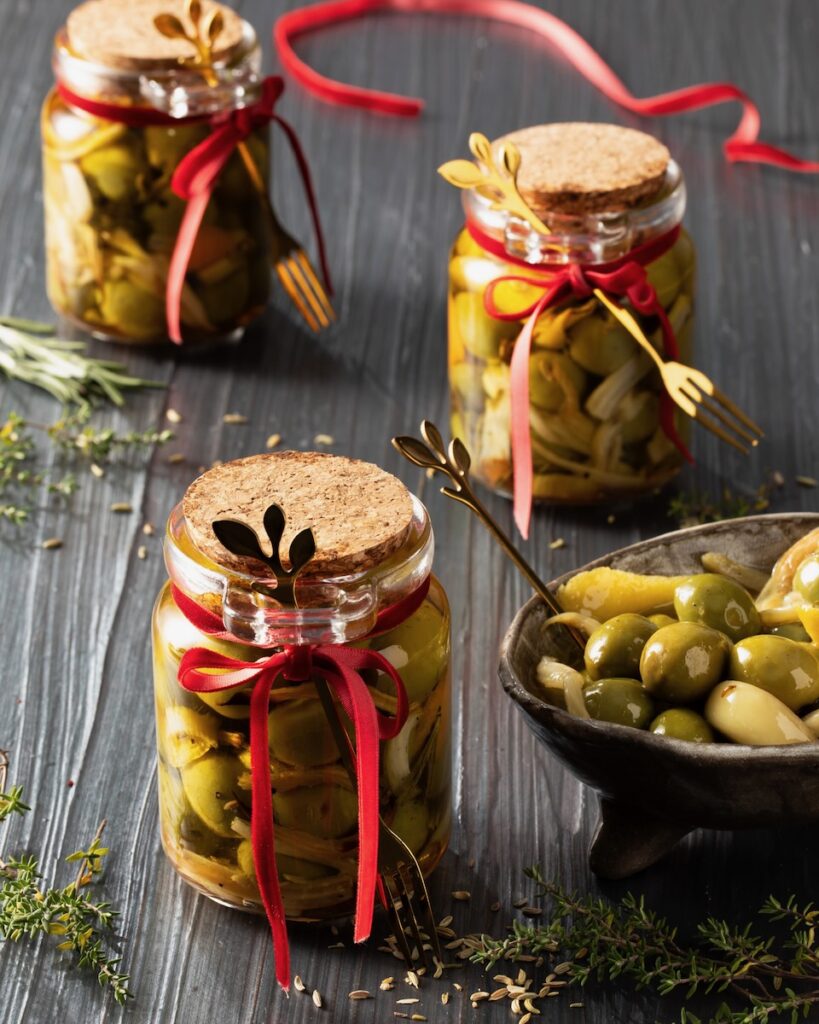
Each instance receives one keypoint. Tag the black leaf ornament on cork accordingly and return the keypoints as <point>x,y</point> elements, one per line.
<point>240,539</point>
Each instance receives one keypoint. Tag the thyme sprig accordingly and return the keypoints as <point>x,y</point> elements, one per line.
<point>22,475</point>
<point>762,977</point>
<point>30,351</point>
<point>28,910</point>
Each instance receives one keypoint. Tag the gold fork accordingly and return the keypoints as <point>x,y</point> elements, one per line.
<point>692,390</point>
<point>403,883</point>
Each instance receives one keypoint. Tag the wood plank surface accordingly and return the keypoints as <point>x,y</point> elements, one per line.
<point>76,682</point>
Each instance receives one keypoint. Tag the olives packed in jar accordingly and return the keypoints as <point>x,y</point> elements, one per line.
<point>356,585</point>
<point>129,104</point>
<point>606,204</point>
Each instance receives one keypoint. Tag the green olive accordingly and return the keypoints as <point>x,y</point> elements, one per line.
<point>418,648</point>
<point>614,648</point>
<point>467,388</point>
<point>785,668</point>
<point>806,579</point>
<point>290,867</point>
<point>193,835</point>
<point>299,734</point>
<point>682,662</point>
<point>600,345</point>
<point>640,418</point>
<point>550,373</point>
<point>166,146</point>
<point>662,620</point>
<point>622,701</point>
<point>716,601</point>
<point>480,333</point>
<point>186,734</point>
<point>225,300</point>
<point>114,170</point>
<point>682,724</point>
<point>324,811</point>
<point>746,714</point>
<point>411,823</point>
<point>666,277</point>
<point>132,311</point>
<point>210,783</point>
<point>793,631</point>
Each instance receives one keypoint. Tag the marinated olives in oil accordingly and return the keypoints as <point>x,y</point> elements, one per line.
<point>622,701</point>
<point>682,724</point>
<point>614,649</point>
<point>717,602</point>
<point>682,662</point>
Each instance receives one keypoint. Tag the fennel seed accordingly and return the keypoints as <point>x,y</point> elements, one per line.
<point>51,544</point>
<point>273,441</point>
<point>358,994</point>
<point>142,552</point>
<point>122,507</point>
<point>559,542</point>
<point>317,998</point>
<point>806,481</point>
<point>462,895</point>
<point>324,439</point>
<point>97,471</point>
<point>175,458</point>
<point>148,529</point>
<point>172,416</point>
<point>298,984</point>
<point>235,419</point>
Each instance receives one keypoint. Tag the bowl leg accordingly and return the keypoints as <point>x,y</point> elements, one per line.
<point>628,840</point>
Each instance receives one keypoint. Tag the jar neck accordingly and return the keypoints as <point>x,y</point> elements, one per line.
<point>180,91</point>
<point>589,239</point>
<point>338,609</point>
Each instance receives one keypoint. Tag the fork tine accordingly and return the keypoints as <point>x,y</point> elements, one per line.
<point>305,290</point>
<point>290,287</point>
<point>709,424</point>
<point>714,409</point>
<point>736,411</point>
<point>422,897</point>
<point>397,924</point>
<point>316,285</point>
<point>407,906</point>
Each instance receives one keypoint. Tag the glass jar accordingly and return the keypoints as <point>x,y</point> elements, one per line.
<point>594,397</point>
<point>111,216</point>
<point>203,739</point>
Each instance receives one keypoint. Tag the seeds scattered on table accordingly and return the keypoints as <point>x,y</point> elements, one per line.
<point>148,529</point>
<point>97,471</point>
<point>359,993</point>
<point>558,542</point>
<point>121,506</point>
<point>461,894</point>
<point>52,543</point>
<point>235,419</point>
<point>445,998</point>
<point>406,1002</point>
<point>172,416</point>
<point>324,439</point>
<point>273,441</point>
<point>142,552</point>
<point>387,984</point>
<point>298,984</point>
<point>317,998</point>
<point>176,457</point>
<point>412,979</point>
<point>806,481</point>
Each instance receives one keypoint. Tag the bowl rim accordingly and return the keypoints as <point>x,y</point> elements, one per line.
<point>585,729</point>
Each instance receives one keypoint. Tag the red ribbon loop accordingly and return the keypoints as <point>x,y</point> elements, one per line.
<point>202,670</point>
<point>626,278</point>
<point>742,146</point>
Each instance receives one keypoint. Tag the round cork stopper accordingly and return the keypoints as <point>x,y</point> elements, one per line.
<point>575,167</point>
<point>359,514</point>
<point>122,34</point>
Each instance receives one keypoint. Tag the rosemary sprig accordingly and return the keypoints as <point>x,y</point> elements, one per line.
<point>762,977</point>
<point>30,351</point>
<point>27,910</point>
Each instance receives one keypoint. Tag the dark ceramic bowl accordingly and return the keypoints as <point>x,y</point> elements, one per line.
<point>654,790</point>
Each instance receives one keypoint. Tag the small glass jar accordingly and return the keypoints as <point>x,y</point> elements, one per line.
<point>594,397</point>
<point>203,739</point>
<point>111,217</point>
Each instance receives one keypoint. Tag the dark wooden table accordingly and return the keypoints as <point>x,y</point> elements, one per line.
<point>76,686</point>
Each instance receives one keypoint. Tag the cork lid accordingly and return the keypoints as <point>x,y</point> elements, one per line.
<point>359,514</point>
<point>122,34</point>
<point>575,167</point>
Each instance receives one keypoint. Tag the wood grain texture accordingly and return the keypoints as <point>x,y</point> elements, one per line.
<point>76,685</point>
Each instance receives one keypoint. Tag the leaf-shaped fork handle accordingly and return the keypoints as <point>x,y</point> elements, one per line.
<point>454,462</point>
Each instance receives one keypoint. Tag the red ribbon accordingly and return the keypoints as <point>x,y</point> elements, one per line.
<point>742,146</point>
<point>204,671</point>
<point>625,277</point>
<point>197,173</point>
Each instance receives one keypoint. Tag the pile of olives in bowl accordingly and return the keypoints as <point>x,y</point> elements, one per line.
<point>696,657</point>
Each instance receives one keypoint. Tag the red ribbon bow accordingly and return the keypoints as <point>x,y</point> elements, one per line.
<point>205,671</point>
<point>625,278</point>
<point>198,172</point>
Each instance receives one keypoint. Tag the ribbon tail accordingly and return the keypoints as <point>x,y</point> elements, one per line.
<point>520,433</point>
<point>180,258</point>
<point>310,193</point>
<point>261,828</point>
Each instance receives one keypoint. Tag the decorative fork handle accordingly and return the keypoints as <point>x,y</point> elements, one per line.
<point>631,325</point>
<point>432,454</point>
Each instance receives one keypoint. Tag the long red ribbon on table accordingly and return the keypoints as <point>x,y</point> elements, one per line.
<point>625,277</point>
<point>198,172</point>
<point>742,146</point>
<point>202,670</point>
